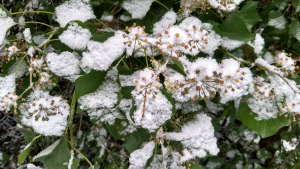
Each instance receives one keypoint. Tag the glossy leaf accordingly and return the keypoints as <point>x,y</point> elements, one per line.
<point>234,27</point>
<point>264,128</point>
<point>89,83</point>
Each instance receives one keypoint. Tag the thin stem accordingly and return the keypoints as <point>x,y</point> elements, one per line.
<point>106,149</point>
<point>286,10</point>
<point>20,64</point>
<point>175,123</point>
<point>125,65</point>
<point>120,61</point>
<point>16,13</point>
<point>233,57</point>
<point>84,157</point>
<point>104,25</point>
<point>53,40</point>
<point>72,110</point>
<point>162,5</point>
<point>155,148</point>
<point>169,145</point>
<point>117,11</point>
<point>37,23</point>
<point>216,15</point>
<point>146,57</point>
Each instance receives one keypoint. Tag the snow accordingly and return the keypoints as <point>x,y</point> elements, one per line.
<point>278,22</point>
<point>101,55</point>
<point>269,57</point>
<point>21,71</point>
<point>39,39</point>
<point>139,157</point>
<point>32,166</point>
<point>125,18</point>
<point>107,17</point>
<point>7,85</point>
<point>168,19</point>
<point>290,145</point>
<point>197,136</point>
<point>46,114</point>
<point>152,107</point>
<point>64,64</point>
<point>5,23</point>
<point>71,160</point>
<point>75,36</point>
<point>100,104</point>
<point>137,8</point>
<point>231,44</point>
<point>27,35</point>
<point>74,10</point>
<point>258,44</point>
<point>227,5</point>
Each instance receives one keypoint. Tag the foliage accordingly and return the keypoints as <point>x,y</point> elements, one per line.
<point>151,84</point>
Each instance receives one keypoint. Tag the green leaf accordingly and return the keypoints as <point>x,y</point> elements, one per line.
<point>126,91</point>
<point>274,14</point>
<point>7,65</point>
<point>195,166</point>
<point>249,14</point>
<point>170,98</point>
<point>234,27</point>
<point>49,8</point>
<point>124,71</point>
<point>134,140</point>
<point>101,37</point>
<point>132,109</point>
<point>89,83</point>
<point>28,136</point>
<point>296,166</point>
<point>296,5</point>
<point>54,156</point>
<point>24,154</point>
<point>178,67</point>
<point>116,128</point>
<point>4,158</point>
<point>294,30</point>
<point>264,128</point>
<point>5,10</point>
<point>224,114</point>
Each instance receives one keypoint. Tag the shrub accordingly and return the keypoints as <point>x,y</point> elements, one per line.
<point>151,83</point>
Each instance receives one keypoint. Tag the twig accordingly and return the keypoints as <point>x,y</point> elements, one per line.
<point>106,149</point>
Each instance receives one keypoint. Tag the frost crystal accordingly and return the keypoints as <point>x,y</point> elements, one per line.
<point>75,36</point>
<point>197,136</point>
<point>65,64</point>
<point>137,8</point>
<point>74,10</point>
